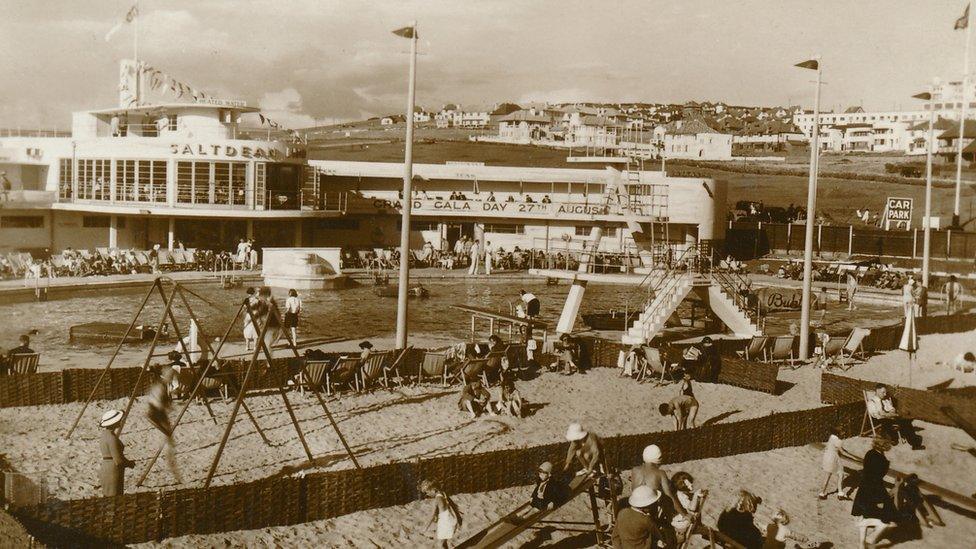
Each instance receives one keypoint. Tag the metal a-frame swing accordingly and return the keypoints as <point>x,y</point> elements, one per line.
<point>242,390</point>
<point>157,286</point>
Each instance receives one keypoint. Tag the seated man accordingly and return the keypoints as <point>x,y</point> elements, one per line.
<point>882,409</point>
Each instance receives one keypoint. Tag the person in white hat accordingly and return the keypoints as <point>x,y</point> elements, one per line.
<point>636,526</point>
<point>585,447</point>
<point>114,462</point>
<point>651,475</point>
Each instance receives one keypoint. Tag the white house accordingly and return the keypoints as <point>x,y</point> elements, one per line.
<point>694,139</point>
<point>473,116</point>
<point>523,126</point>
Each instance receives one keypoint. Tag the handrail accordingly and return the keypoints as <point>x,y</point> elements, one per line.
<point>670,274</point>
<point>737,288</point>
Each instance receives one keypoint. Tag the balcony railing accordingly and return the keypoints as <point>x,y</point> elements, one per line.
<point>18,132</point>
<point>26,197</point>
<point>205,199</point>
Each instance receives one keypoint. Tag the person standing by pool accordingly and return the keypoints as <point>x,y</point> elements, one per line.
<point>851,290</point>
<point>489,253</point>
<point>114,462</point>
<point>293,306</point>
<point>243,252</point>
<point>951,292</point>
<point>475,252</point>
<point>909,296</point>
<point>532,304</point>
<point>446,514</point>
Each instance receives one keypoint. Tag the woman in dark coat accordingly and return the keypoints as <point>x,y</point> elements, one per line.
<point>872,502</point>
<point>114,463</point>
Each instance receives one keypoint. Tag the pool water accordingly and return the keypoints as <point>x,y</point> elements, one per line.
<point>351,313</point>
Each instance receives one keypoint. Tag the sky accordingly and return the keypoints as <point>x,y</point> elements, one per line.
<point>308,62</point>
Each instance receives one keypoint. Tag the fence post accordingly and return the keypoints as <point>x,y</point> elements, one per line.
<point>820,240</point>
<point>914,241</point>
<point>850,241</point>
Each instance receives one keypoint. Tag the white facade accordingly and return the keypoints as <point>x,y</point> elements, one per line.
<point>804,121</point>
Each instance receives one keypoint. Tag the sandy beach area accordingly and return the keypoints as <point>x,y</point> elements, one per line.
<point>787,478</point>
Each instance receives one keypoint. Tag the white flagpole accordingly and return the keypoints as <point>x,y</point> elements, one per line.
<point>135,54</point>
<point>811,216</point>
<point>407,201</point>
<point>962,115</point>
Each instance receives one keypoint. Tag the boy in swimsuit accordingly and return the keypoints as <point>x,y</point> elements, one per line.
<point>682,408</point>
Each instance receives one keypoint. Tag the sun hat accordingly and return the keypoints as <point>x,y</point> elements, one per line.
<point>546,467</point>
<point>643,496</point>
<point>365,345</point>
<point>110,418</point>
<point>652,454</point>
<point>575,432</point>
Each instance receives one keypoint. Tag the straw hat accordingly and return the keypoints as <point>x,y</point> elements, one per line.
<point>643,496</point>
<point>546,467</point>
<point>575,432</point>
<point>110,418</point>
<point>652,454</point>
<point>365,345</point>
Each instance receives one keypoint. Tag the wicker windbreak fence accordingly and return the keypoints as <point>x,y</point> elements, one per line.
<point>276,501</point>
<point>913,403</point>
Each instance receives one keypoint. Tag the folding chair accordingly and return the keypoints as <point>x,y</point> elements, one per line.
<point>318,372</point>
<point>345,372</point>
<point>652,363</point>
<point>493,366</point>
<point>392,372</point>
<point>373,370</point>
<point>433,365</point>
<point>782,350</point>
<point>854,346</point>
<point>471,369</point>
<point>867,423</point>
<point>24,363</point>
<point>755,348</point>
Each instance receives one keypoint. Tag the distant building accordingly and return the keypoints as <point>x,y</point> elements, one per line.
<point>694,139</point>
<point>523,126</point>
<point>473,116</point>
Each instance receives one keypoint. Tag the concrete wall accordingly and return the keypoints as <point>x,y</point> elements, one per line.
<point>27,238</point>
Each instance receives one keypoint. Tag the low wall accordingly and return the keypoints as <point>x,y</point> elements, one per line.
<point>275,501</point>
<point>913,403</point>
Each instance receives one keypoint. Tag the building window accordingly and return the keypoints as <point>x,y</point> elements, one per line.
<point>141,180</point>
<point>101,222</point>
<point>65,179</point>
<point>22,222</point>
<point>583,231</point>
<point>426,226</point>
<point>94,179</point>
<point>173,122</point>
<point>504,228</point>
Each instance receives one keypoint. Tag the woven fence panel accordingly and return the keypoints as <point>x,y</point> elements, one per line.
<point>95,522</point>
<point>13,533</point>
<point>758,376</point>
<point>30,389</point>
<point>913,403</point>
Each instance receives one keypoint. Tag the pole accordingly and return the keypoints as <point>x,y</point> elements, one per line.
<point>401,331</point>
<point>927,221</point>
<point>135,55</point>
<point>962,117</point>
<point>811,214</point>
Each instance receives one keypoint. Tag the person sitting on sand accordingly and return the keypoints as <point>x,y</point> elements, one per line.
<point>569,354</point>
<point>114,463</point>
<point>912,505</point>
<point>964,362</point>
<point>681,408</point>
<point>636,526</point>
<point>650,474</point>
<point>778,532</point>
<point>882,409</point>
<point>475,399</point>
<point>446,514</point>
<point>691,499</point>
<point>738,521</point>
<point>585,448</point>
<point>511,399</point>
<point>160,404</point>
<point>833,466</point>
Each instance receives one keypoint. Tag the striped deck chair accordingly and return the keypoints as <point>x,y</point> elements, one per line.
<point>781,350</point>
<point>345,372</point>
<point>433,365</point>
<point>852,348</point>
<point>392,372</point>
<point>652,364</point>
<point>470,370</point>
<point>373,369</point>
<point>24,363</point>
<point>165,259</point>
<point>755,349</point>
<point>85,254</point>
<point>179,260</point>
<point>318,376</point>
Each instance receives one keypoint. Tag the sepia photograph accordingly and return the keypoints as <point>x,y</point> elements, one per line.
<point>629,274</point>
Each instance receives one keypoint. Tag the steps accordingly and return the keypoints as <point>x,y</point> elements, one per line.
<point>725,308</point>
<point>650,322</point>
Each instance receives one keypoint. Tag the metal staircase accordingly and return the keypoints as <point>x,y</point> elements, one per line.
<point>672,291</point>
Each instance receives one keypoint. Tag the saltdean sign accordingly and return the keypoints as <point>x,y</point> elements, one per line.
<point>226,151</point>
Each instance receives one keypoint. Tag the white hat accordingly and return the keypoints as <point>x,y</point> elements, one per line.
<point>643,496</point>
<point>575,432</point>
<point>110,418</point>
<point>652,454</point>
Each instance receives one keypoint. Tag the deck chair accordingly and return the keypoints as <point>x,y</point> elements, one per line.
<point>318,376</point>
<point>178,259</point>
<point>345,372</point>
<point>854,346</point>
<point>392,371</point>
<point>433,365</point>
<point>493,367</point>
<point>470,370</point>
<point>867,424</point>
<point>218,382</point>
<point>165,259</point>
<point>782,350</point>
<point>652,363</point>
<point>755,349</point>
<point>373,369</point>
<point>24,364</point>
<point>515,352</point>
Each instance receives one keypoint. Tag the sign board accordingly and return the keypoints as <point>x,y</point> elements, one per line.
<point>453,163</point>
<point>898,212</point>
<point>221,102</point>
<point>782,299</point>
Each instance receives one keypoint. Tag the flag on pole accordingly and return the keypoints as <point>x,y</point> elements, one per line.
<point>129,17</point>
<point>812,64</point>
<point>963,21</point>
<point>406,32</point>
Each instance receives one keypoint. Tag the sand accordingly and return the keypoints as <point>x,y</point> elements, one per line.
<point>931,365</point>
<point>787,478</point>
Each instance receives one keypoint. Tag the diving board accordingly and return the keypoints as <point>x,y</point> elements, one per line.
<point>514,523</point>
<point>497,317</point>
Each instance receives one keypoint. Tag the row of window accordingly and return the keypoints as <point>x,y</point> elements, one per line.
<point>135,180</point>
<point>211,183</point>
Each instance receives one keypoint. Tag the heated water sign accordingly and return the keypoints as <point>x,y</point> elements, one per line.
<point>898,212</point>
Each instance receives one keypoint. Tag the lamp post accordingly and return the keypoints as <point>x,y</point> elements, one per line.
<point>812,64</point>
<point>401,323</point>
<point>927,221</point>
